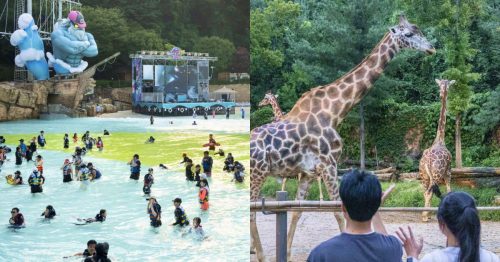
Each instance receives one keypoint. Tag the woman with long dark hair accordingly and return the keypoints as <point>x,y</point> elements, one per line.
<point>459,221</point>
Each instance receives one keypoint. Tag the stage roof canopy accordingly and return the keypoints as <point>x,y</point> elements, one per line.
<point>224,90</point>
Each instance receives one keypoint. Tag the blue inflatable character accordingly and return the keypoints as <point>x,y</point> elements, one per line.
<point>70,43</point>
<point>30,44</point>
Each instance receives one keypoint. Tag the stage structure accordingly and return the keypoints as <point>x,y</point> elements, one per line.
<point>174,83</point>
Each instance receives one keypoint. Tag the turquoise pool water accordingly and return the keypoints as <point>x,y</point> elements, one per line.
<point>127,228</point>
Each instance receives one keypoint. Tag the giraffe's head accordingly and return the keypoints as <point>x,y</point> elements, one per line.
<point>267,99</point>
<point>444,84</point>
<point>408,35</point>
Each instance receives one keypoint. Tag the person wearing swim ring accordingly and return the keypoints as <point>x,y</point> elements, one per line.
<point>67,171</point>
<point>36,181</point>
<point>148,182</point>
<point>16,219</point>
<point>49,212</point>
<point>18,179</point>
<point>203,194</point>
<point>154,211</point>
<point>84,174</point>
<point>135,167</point>
<point>180,215</point>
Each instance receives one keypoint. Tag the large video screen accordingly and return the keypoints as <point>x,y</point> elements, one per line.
<point>178,83</point>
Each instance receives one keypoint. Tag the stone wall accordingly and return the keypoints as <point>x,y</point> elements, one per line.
<point>22,101</point>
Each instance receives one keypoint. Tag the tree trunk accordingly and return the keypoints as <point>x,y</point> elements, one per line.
<point>362,136</point>
<point>458,142</point>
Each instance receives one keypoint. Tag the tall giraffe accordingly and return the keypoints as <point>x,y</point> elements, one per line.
<point>306,141</point>
<point>435,164</point>
<point>271,99</point>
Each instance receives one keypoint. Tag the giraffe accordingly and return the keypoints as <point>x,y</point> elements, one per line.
<point>306,140</point>
<point>435,164</point>
<point>271,99</point>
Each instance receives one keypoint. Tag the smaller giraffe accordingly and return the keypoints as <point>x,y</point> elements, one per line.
<point>271,99</point>
<point>435,164</point>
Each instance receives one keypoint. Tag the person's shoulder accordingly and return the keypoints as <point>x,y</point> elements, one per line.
<point>325,249</point>
<point>488,256</point>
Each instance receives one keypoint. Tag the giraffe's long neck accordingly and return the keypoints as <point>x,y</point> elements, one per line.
<point>347,91</point>
<point>276,108</point>
<point>442,122</point>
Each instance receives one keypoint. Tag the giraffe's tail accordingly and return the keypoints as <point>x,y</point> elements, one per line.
<point>436,191</point>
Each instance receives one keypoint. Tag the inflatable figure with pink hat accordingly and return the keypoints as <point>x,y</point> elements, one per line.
<point>70,43</point>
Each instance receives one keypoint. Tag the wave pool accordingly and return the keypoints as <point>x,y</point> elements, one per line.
<point>127,228</point>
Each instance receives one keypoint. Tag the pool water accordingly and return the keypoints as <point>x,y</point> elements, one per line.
<point>126,228</point>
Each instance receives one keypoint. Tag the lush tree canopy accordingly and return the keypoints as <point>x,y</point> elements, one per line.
<point>297,45</point>
<point>159,24</point>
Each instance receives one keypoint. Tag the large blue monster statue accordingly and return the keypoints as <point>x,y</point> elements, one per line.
<point>70,43</point>
<point>30,44</point>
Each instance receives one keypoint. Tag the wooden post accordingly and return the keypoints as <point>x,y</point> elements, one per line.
<point>281,228</point>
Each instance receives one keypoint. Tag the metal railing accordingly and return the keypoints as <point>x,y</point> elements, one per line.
<point>282,206</point>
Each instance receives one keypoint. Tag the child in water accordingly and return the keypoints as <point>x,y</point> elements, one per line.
<point>66,141</point>
<point>203,194</point>
<point>99,144</point>
<point>197,228</point>
<point>189,171</point>
<point>67,171</point>
<point>39,164</point>
<point>197,171</point>
<point>75,138</point>
<point>180,215</point>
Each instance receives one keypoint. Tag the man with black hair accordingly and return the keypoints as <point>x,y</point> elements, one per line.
<point>365,237</point>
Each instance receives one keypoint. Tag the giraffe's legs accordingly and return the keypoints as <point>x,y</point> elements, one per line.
<point>320,189</point>
<point>447,181</point>
<point>283,184</point>
<point>303,188</point>
<point>330,178</point>
<point>255,185</point>
<point>427,198</point>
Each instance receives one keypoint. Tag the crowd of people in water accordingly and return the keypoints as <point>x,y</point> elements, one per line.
<point>76,169</point>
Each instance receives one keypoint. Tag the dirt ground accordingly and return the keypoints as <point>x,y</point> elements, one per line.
<point>314,228</point>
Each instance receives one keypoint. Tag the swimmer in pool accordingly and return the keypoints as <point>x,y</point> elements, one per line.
<point>89,251</point>
<point>49,212</point>
<point>16,219</point>
<point>197,228</point>
<point>101,217</point>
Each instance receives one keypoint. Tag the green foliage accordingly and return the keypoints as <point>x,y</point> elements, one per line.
<point>328,38</point>
<point>223,49</point>
<point>262,116</point>
<point>129,26</point>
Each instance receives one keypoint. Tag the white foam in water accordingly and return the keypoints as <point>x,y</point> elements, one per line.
<point>127,228</point>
